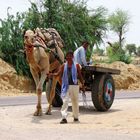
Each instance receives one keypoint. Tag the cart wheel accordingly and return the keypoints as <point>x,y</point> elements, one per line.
<point>103,92</point>
<point>57,101</point>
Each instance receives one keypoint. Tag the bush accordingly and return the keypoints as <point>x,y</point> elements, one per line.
<point>115,53</point>
<point>138,51</point>
<point>99,52</point>
<point>120,57</point>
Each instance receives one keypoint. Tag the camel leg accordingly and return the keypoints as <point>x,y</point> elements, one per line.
<point>38,111</point>
<point>52,95</point>
<point>49,86</point>
<point>39,90</point>
<point>48,89</point>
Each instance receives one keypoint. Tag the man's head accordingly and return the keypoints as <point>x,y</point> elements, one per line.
<point>69,55</point>
<point>85,44</point>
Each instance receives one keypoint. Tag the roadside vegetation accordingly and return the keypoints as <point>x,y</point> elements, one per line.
<point>75,23</point>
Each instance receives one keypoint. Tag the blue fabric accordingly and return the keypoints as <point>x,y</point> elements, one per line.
<point>80,56</point>
<point>65,83</point>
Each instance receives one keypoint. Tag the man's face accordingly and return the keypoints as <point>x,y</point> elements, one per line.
<point>69,57</point>
<point>86,45</point>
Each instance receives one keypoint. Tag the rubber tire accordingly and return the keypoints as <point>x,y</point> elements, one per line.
<point>98,92</point>
<point>57,101</point>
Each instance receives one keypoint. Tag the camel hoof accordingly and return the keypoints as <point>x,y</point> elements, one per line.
<point>48,113</point>
<point>38,113</point>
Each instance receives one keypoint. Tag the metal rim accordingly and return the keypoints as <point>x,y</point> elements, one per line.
<point>108,94</point>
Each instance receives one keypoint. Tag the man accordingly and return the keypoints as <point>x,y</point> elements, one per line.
<point>80,54</point>
<point>70,71</point>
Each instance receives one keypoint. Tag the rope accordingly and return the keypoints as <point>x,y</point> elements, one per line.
<point>49,50</point>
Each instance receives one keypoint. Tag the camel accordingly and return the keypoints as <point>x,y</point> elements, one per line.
<point>43,54</point>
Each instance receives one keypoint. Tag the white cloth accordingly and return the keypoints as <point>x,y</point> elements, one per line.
<point>72,93</point>
<point>80,56</point>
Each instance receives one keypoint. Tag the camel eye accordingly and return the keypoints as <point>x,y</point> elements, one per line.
<point>33,39</point>
<point>26,37</point>
<point>29,46</point>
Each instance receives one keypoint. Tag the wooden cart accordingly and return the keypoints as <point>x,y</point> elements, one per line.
<point>100,82</point>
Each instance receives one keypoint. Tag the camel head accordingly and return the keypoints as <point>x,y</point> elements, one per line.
<point>29,38</point>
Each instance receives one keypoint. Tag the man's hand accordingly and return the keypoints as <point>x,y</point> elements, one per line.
<point>49,75</point>
<point>83,88</point>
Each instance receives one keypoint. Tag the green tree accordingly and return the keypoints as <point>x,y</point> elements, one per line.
<point>11,41</point>
<point>118,22</point>
<point>71,20</point>
<point>32,18</point>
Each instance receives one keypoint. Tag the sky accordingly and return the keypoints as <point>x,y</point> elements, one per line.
<point>131,6</point>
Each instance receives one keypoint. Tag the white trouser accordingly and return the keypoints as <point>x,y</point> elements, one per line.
<point>72,92</point>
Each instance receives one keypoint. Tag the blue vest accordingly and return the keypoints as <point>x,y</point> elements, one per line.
<point>65,82</point>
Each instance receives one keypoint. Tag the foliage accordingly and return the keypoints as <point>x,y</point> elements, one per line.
<point>32,18</point>
<point>138,51</point>
<point>118,22</point>
<point>71,20</point>
<point>131,48</point>
<point>99,52</point>
<point>11,41</point>
<point>115,53</point>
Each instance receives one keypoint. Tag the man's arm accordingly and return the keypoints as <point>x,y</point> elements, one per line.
<point>80,74</point>
<point>83,56</point>
<point>81,77</point>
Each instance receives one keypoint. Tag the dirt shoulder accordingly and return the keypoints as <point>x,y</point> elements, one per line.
<point>129,78</point>
<point>122,121</point>
<point>13,85</point>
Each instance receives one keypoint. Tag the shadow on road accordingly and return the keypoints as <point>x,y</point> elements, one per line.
<point>55,115</point>
<point>92,110</point>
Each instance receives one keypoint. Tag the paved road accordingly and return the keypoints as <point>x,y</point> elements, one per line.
<point>29,100</point>
<point>121,122</point>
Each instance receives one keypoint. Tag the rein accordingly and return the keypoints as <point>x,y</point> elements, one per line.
<point>29,50</point>
<point>48,50</point>
<point>41,43</point>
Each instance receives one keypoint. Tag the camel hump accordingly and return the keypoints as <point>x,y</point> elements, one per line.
<point>49,35</point>
<point>53,31</point>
